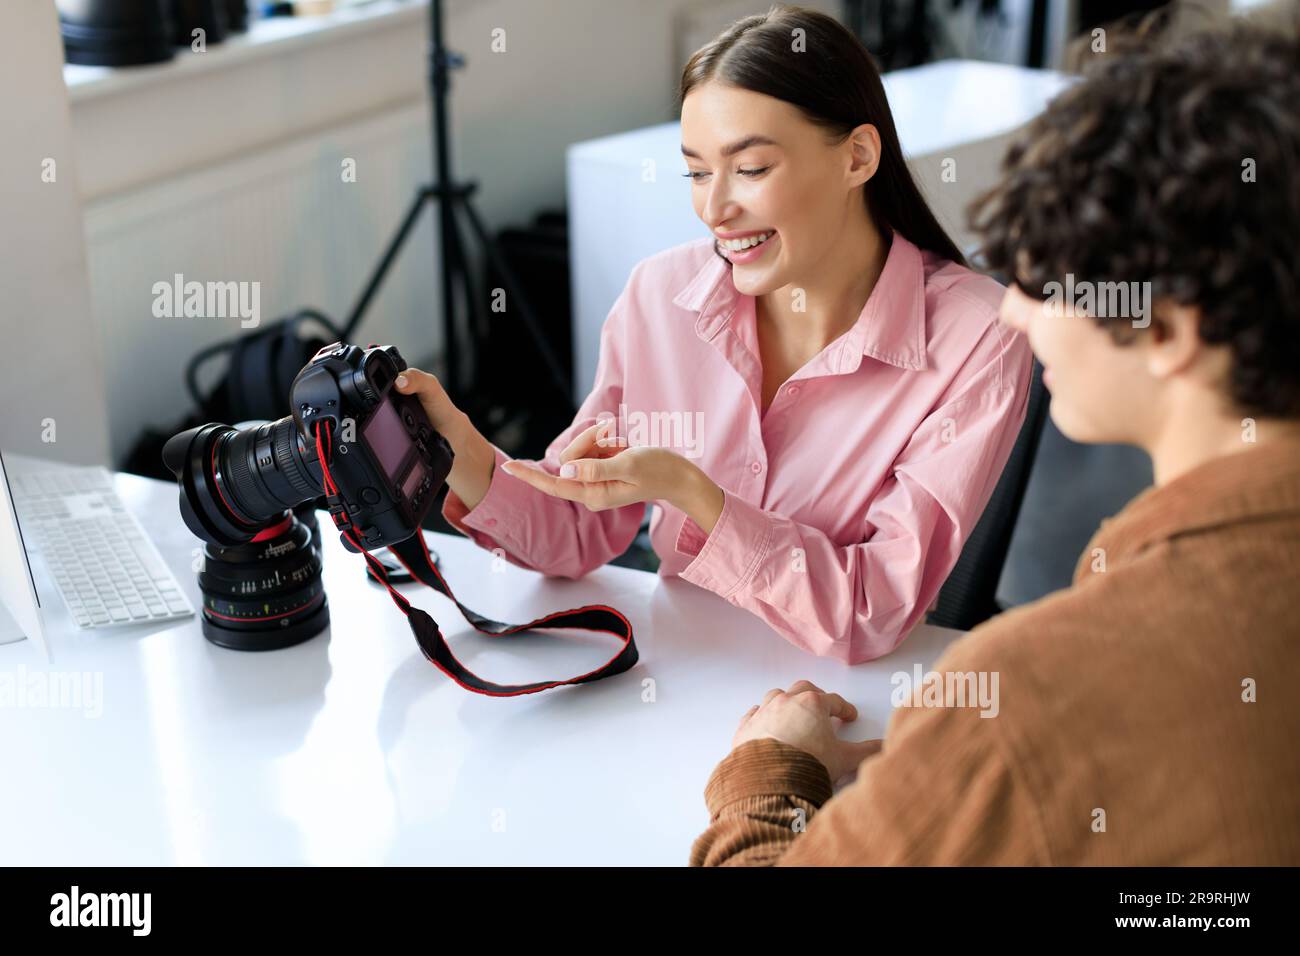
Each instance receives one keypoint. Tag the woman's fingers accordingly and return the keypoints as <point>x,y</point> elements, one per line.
<point>594,469</point>
<point>596,496</point>
<point>594,442</point>
<point>414,381</point>
<point>544,481</point>
<point>573,477</point>
<point>579,447</point>
<point>429,390</point>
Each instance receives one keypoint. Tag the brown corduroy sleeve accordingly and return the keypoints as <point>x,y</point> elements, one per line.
<point>941,792</point>
<point>760,798</point>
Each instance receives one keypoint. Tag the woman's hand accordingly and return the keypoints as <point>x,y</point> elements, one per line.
<point>600,473</point>
<point>444,416</point>
<point>474,457</point>
<point>804,717</point>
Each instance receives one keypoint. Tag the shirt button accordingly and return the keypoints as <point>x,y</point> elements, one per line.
<point>792,391</point>
<point>756,467</point>
<point>491,522</point>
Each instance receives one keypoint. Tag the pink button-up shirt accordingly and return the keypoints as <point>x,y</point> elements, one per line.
<point>847,502</point>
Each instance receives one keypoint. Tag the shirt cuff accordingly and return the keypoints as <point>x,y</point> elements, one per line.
<point>726,558</point>
<point>767,766</point>
<point>487,522</point>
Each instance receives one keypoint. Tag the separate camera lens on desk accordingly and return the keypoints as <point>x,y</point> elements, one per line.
<point>266,594</point>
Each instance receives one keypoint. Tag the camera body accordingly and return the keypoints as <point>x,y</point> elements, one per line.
<point>250,492</point>
<point>386,460</point>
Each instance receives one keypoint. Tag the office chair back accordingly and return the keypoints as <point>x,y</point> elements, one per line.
<point>969,596</point>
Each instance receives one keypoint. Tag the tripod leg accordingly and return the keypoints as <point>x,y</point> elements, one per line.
<point>476,301</point>
<point>457,267</point>
<point>381,270</point>
<point>518,300</point>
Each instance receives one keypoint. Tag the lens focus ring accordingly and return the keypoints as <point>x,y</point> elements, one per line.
<point>234,471</point>
<point>285,444</point>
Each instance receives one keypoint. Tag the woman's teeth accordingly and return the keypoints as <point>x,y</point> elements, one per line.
<point>740,245</point>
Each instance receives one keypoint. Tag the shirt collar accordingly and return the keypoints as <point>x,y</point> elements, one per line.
<point>891,327</point>
<point>1242,486</point>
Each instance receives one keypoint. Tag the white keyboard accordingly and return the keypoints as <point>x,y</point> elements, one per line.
<point>107,569</point>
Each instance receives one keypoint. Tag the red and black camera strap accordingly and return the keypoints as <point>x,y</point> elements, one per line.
<point>414,556</point>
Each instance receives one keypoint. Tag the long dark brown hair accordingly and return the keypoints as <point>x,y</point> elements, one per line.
<point>835,83</point>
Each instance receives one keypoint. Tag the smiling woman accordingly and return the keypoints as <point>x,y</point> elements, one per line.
<point>853,396</point>
<point>781,59</point>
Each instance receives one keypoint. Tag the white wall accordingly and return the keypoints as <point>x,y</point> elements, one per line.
<point>573,70</point>
<point>50,373</point>
<point>224,165</point>
<point>282,217</point>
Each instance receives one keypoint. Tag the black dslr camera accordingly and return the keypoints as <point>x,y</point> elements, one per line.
<point>388,478</point>
<point>249,493</point>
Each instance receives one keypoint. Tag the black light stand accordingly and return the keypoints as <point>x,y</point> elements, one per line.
<point>452,197</point>
<point>898,33</point>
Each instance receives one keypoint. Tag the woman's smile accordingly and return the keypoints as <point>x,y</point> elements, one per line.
<point>746,249</point>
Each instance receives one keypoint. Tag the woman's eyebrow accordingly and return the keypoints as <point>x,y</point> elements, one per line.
<point>735,147</point>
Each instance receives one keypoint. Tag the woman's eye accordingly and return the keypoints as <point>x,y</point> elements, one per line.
<point>698,175</point>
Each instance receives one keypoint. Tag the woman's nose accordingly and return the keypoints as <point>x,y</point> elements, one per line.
<point>718,207</point>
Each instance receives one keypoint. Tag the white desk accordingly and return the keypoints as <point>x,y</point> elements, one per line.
<point>628,200</point>
<point>352,749</point>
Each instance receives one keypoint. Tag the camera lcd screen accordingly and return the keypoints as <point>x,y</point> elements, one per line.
<point>387,438</point>
<point>412,481</point>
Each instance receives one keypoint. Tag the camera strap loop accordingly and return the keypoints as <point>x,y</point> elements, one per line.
<point>414,556</point>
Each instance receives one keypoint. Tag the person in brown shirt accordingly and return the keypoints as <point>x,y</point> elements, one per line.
<point>1149,714</point>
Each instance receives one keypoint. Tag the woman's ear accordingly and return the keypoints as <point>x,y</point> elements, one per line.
<point>864,152</point>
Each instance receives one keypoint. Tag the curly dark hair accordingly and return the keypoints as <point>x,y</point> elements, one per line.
<point>1142,172</point>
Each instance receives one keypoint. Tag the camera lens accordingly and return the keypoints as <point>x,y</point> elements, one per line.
<point>264,471</point>
<point>234,482</point>
<point>267,593</point>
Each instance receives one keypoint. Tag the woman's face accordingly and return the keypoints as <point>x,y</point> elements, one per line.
<point>761,170</point>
